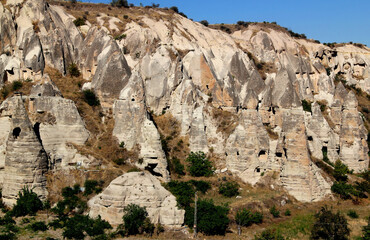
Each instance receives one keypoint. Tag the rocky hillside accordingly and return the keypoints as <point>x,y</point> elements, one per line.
<point>257,101</point>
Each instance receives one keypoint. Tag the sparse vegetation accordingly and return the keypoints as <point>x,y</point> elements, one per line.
<point>274,212</point>
<point>269,234</point>
<point>119,3</point>
<point>229,189</point>
<point>79,22</point>
<point>73,70</point>
<point>204,22</point>
<point>245,217</point>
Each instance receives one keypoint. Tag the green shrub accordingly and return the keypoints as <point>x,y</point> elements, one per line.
<point>343,189</point>
<point>183,192</point>
<point>92,186</point>
<point>71,203</point>
<point>133,218</point>
<point>28,203</point>
<point>352,214</point>
<point>200,185</point>
<point>119,161</point>
<point>79,22</point>
<point>119,3</point>
<point>38,226</point>
<point>76,227</point>
<point>306,106</point>
<point>274,212</point>
<point>134,169</point>
<point>177,167</point>
<point>340,171</point>
<point>329,225</point>
<point>147,227</point>
<point>91,98</point>
<point>269,234</point>
<point>199,165</point>
<point>287,212</point>
<point>245,217</point>
<point>122,145</point>
<point>204,22</point>
<point>73,70</point>
<point>211,219</point>
<point>175,9</point>
<point>229,189</point>
<point>325,156</point>
<point>16,85</point>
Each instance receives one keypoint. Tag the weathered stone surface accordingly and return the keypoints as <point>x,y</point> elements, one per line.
<point>26,162</point>
<point>138,188</point>
<point>133,127</point>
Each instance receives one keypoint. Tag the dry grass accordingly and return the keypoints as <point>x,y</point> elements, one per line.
<point>169,129</point>
<point>101,143</point>
<point>273,135</point>
<point>226,121</point>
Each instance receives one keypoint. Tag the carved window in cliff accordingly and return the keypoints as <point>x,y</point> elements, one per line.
<point>262,152</point>
<point>309,138</point>
<point>16,132</point>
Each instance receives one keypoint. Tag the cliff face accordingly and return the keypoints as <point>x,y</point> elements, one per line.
<point>165,63</point>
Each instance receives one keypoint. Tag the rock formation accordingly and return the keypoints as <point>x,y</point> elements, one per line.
<point>26,162</point>
<point>138,188</point>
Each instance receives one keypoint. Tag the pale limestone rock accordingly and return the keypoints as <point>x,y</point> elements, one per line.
<point>353,146</point>
<point>26,162</point>
<point>137,188</point>
<point>299,175</point>
<point>133,127</point>
<point>247,148</point>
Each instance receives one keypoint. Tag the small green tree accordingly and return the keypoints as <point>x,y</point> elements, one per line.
<point>72,68</point>
<point>183,192</point>
<point>212,219</point>
<point>133,218</point>
<point>199,165</point>
<point>330,226</point>
<point>340,171</point>
<point>229,189</point>
<point>28,203</point>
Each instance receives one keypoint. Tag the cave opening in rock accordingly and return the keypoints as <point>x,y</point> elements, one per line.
<point>309,138</point>
<point>262,152</point>
<point>150,167</point>
<point>16,132</point>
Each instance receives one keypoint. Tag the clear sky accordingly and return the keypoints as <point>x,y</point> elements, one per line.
<point>324,20</point>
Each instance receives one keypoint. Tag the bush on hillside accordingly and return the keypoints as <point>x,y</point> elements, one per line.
<point>274,212</point>
<point>306,105</point>
<point>183,192</point>
<point>91,98</point>
<point>73,70</point>
<point>229,189</point>
<point>199,165</point>
<point>245,217</point>
<point>119,3</point>
<point>28,203</point>
<point>211,219</point>
<point>133,218</point>
<point>330,225</point>
<point>79,22</point>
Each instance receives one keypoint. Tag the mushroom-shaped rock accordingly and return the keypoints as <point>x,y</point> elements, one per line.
<point>138,188</point>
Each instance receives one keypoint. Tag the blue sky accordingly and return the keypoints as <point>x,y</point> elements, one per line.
<point>324,20</point>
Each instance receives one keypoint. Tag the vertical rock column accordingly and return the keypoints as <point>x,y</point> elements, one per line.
<point>25,161</point>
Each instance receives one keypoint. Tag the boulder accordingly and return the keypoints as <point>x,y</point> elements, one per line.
<point>138,188</point>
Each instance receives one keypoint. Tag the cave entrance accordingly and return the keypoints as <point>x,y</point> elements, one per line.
<point>16,132</point>
<point>150,167</point>
<point>36,128</point>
